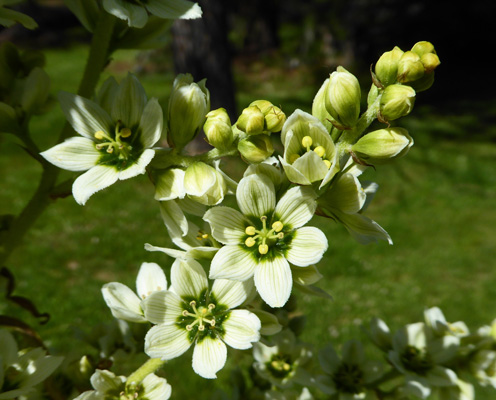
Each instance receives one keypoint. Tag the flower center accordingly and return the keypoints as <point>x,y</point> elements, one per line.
<point>115,145</point>
<point>309,145</point>
<point>280,365</point>
<point>348,378</point>
<point>416,360</point>
<point>201,316</point>
<point>264,237</point>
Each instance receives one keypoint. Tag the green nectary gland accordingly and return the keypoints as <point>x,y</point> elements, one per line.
<point>348,378</point>
<point>280,365</point>
<point>219,314</point>
<point>416,360</point>
<point>127,156</point>
<point>276,246</point>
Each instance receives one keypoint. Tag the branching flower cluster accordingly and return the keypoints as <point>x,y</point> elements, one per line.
<point>242,246</point>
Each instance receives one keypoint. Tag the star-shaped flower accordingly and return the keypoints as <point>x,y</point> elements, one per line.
<point>265,237</point>
<point>117,136</point>
<point>189,313</point>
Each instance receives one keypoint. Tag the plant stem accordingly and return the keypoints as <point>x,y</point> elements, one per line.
<point>97,60</point>
<point>142,372</point>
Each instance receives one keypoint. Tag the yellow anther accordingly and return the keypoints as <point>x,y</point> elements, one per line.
<point>306,141</point>
<point>263,249</point>
<point>211,306</point>
<point>320,151</point>
<point>250,242</point>
<point>99,135</point>
<point>293,157</point>
<point>125,132</point>
<point>277,226</point>
<point>327,163</point>
<point>110,149</point>
<point>250,230</point>
<point>205,236</point>
<point>201,328</point>
<point>280,235</point>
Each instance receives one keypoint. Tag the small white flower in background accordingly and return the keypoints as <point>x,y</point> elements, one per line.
<point>435,320</point>
<point>347,376</point>
<point>124,303</point>
<point>288,394</point>
<point>135,12</point>
<point>117,136</point>
<point>284,363</point>
<point>461,391</point>
<point>265,237</point>
<point>108,386</point>
<point>21,371</point>
<point>483,367</point>
<point>191,314</point>
<point>421,359</point>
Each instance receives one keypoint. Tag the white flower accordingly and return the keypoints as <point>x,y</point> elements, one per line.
<point>108,386</point>
<point>136,12</point>
<point>124,303</point>
<point>435,320</point>
<point>420,359</point>
<point>189,313</point>
<point>20,371</point>
<point>265,237</point>
<point>117,136</point>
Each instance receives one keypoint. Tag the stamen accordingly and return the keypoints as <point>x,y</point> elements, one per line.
<point>250,242</point>
<point>327,163</point>
<point>280,235</point>
<point>110,149</point>
<point>263,249</point>
<point>250,230</point>
<point>125,132</point>
<point>211,306</point>
<point>320,151</point>
<point>277,226</point>
<point>307,142</point>
<point>100,135</point>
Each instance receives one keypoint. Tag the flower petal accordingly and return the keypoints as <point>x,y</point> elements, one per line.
<point>256,195</point>
<point>85,116</point>
<point>274,281</point>
<point>231,293</point>
<point>163,307</point>
<point>363,229</point>
<point>188,278</point>
<point>228,225</point>
<point>170,185</point>
<point>75,154</point>
<point>174,218</point>
<point>166,342</point>
<point>311,166</point>
<point>293,174</point>
<point>209,357</point>
<point>296,207</point>
<point>139,167</point>
<point>151,278</point>
<point>156,388</point>
<point>129,102</point>
<point>151,123</point>
<point>123,302</point>
<point>232,262</point>
<point>174,9</point>
<point>242,328</point>
<point>93,180</point>
<point>307,247</point>
<point>345,194</point>
<point>135,15</point>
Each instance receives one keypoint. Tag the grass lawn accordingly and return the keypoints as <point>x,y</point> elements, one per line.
<point>437,204</point>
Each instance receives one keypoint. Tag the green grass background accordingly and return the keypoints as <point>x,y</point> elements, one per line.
<point>437,203</point>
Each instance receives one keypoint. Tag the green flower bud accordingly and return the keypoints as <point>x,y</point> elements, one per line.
<point>251,121</point>
<point>422,48</point>
<point>274,117</point>
<point>380,146</point>
<point>386,68</point>
<point>423,83</point>
<point>256,149</point>
<point>218,129</point>
<point>397,101</point>
<point>35,91</point>
<point>204,184</point>
<point>410,68</point>
<point>430,62</point>
<point>342,97</point>
<point>189,103</point>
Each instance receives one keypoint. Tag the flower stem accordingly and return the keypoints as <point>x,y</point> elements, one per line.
<point>43,196</point>
<point>142,372</point>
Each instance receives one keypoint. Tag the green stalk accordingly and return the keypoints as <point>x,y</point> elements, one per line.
<point>43,196</point>
<point>142,372</point>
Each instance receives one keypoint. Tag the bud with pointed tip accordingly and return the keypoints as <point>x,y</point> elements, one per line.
<point>218,129</point>
<point>256,149</point>
<point>251,121</point>
<point>397,101</point>
<point>342,98</point>
<point>380,146</point>
<point>410,68</point>
<point>274,117</point>
<point>189,103</point>
<point>386,68</point>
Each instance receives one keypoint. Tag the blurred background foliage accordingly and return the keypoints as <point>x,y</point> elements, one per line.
<point>437,203</point>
